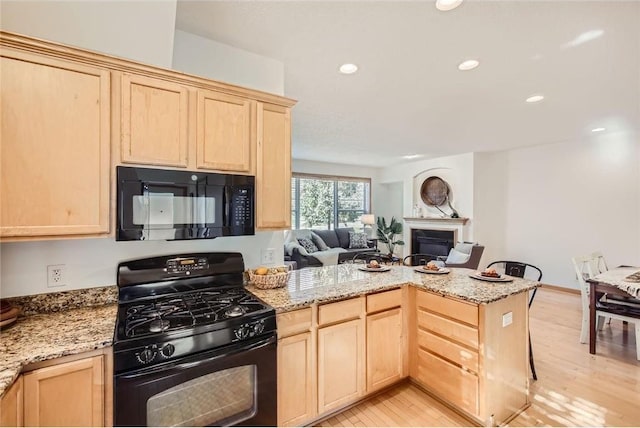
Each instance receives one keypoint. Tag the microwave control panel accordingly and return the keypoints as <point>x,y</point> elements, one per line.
<point>241,207</point>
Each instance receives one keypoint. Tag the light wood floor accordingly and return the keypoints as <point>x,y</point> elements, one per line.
<point>573,388</point>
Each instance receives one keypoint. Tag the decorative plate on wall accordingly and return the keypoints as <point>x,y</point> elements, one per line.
<point>434,191</point>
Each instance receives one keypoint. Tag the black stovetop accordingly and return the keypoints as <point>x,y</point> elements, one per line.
<point>151,316</point>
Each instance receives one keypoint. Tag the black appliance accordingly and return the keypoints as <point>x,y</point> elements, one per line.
<point>158,204</point>
<point>192,347</point>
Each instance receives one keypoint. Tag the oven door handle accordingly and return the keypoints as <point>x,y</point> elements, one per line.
<point>188,365</point>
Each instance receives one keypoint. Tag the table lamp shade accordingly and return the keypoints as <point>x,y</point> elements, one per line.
<point>368,219</point>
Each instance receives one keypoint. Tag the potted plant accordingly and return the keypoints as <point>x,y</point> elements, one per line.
<point>388,233</point>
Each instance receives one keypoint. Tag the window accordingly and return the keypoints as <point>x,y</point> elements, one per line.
<point>324,202</point>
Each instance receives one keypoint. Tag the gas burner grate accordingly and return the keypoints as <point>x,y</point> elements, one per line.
<point>188,310</point>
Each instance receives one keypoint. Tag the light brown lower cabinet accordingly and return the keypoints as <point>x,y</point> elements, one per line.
<point>296,395</point>
<point>384,349</point>
<point>69,394</point>
<point>69,391</point>
<point>340,364</point>
<point>472,356</point>
<point>11,406</point>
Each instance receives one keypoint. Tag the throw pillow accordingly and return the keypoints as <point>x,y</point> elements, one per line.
<point>322,246</point>
<point>358,240</point>
<point>308,245</point>
<point>456,256</point>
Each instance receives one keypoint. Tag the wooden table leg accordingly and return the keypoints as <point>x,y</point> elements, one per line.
<point>592,318</point>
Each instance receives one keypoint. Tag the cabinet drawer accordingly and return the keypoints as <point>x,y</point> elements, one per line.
<point>449,350</point>
<point>385,300</point>
<point>452,383</point>
<point>465,312</point>
<point>294,322</point>
<point>447,328</point>
<point>340,311</point>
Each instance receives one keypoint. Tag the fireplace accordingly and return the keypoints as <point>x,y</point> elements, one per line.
<point>433,242</point>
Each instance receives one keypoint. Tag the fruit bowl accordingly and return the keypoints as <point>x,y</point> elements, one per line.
<point>269,278</point>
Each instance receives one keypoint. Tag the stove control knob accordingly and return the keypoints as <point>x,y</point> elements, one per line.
<point>167,350</point>
<point>258,327</point>
<point>146,355</point>
<point>242,332</point>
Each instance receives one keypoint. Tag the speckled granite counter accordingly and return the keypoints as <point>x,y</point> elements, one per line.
<point>51,335</point>
<point>324,284</point>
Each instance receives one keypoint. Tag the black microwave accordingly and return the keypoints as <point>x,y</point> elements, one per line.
<point>157,204</point>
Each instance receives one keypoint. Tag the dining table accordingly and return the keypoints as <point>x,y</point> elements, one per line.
<point>622,281</point>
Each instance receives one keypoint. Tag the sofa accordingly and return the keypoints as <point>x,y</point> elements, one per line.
<point>331,246</point>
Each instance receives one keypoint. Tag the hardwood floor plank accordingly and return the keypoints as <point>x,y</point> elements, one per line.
<point>574,388</point>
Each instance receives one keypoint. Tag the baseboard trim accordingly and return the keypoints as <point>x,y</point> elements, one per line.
<point>560,289</point>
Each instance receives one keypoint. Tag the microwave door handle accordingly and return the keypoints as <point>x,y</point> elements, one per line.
<point>192,364</point>
<point>226,202</point>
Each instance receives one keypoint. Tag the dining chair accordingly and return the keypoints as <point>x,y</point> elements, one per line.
<point>367,257</point>
<point>607,307</point>
<point>587,267</point>
<point>420,259</point>
<point>521,270</point>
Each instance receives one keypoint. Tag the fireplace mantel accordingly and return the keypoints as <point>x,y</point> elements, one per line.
<point>446,220</point>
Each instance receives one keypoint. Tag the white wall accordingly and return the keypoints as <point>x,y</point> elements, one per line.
<point>563,200</point>
<point>93,262</point>
<point>138,30</point>
<point>205,57</point>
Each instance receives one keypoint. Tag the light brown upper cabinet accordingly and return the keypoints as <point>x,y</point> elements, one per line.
<point>224,137</point>
<point>55,134</point>
<point>273,177</point>
<point>154,122</point>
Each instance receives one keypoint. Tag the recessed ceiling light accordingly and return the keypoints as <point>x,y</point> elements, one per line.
<point>348,68</point>
<point>411,156</point>
<point>469,64</point>
<point>598,129</point>
<point>445,5</point>
<point>535,98</point>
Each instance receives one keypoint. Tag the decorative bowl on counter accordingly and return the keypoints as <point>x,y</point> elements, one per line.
<point>269,278</point>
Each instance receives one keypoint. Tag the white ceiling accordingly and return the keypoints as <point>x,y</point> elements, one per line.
<point>409,97</point>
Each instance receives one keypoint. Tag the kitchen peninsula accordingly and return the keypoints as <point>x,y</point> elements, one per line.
<point>344,334</point>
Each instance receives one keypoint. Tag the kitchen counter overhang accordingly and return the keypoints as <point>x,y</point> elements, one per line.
<point>330,283</point>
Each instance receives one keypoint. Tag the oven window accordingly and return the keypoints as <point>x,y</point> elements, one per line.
<point>226,397</point>
<point>164,210</point>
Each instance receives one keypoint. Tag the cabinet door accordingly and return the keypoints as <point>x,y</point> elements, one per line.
<point>273,178</point>
<point>69,394</point>
<point>11,407</point>
<point>340,364</point>
<point>296,380</point>
<point>154,128</point>
<point>55,135</point>
<point>384,349</point>
<point>224,133</point>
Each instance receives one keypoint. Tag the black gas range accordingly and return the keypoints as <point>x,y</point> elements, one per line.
<point>192,346</point>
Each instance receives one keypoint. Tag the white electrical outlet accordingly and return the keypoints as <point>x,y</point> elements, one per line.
<point>56,275</point>
<point>507,319</point>
<point>268,256</point>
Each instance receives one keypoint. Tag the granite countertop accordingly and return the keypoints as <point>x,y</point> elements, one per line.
<point>324,284</point>
<point>45,336</point>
